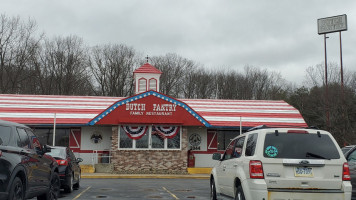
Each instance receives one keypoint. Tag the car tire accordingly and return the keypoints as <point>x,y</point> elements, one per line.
<point>69,187</point>
<point>54,189</point>
<point>17,191</point>
<point>239,193</point>
<point>76,186</point>
<point>212,190</point>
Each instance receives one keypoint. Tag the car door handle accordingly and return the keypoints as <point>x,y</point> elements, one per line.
<point>235,165</point>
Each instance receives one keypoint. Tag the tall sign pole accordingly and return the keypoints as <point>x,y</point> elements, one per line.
<point>341,70</point>
<point>326,86</point>
<point>331,25</point>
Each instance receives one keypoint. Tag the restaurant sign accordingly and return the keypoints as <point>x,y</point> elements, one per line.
<point>156,109</point>
<point>149,108</point>
<point>332,24</point>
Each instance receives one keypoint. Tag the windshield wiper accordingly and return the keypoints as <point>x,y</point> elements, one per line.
<point>308,154</point>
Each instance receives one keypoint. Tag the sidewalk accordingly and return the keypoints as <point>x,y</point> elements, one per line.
<point>137,176</point>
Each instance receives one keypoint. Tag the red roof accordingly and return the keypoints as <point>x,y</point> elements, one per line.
<point>147,68</point>
<point>40,109</point>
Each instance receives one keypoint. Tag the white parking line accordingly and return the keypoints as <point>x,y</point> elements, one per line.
<point>174,196</point>
<point>81,193</point>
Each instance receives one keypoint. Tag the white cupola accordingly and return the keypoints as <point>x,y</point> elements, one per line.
<point>146,78</point>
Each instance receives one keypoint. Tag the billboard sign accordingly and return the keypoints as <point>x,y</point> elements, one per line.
<point>332,24</point>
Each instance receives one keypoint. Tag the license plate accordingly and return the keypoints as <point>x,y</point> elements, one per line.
<point>303,171</point>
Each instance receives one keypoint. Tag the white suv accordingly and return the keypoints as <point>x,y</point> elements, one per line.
<point>281,163</point>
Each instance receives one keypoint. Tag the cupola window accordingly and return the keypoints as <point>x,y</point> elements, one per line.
<point>153,84</point>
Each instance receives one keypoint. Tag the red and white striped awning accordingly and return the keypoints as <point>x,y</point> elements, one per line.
<point>80,110</point>
<point>249,113</point>
<point>40,109</point>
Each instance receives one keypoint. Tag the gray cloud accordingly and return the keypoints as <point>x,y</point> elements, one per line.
<point>279,35</point>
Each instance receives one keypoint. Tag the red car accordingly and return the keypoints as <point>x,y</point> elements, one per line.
<point>68,167</point>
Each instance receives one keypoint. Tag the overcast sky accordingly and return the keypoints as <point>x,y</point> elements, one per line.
<point>280,35</point>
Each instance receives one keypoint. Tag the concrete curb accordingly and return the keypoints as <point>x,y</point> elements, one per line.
<point>144,176</point>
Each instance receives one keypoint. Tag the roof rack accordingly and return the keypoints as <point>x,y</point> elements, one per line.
<point>280,126</point>
<point>257,128</point>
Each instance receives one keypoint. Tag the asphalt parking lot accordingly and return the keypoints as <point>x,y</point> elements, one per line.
<point>124,189</point>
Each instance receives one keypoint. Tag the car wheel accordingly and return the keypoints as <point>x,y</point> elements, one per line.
<point>212,190</point>
<point>239,193</point>
<point>16,190</point>
<point>54,189</point>
<point>76,186</point>
<point>69,187</point>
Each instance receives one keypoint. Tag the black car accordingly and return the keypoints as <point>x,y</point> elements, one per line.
<point>25,170</point>
<point>69,169</point>
<point>350,155</point>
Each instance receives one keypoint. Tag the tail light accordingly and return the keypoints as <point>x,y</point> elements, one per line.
<point>62,162</point>
<point>346,172</point>
<point>256,169</point>
<point>0,153</point>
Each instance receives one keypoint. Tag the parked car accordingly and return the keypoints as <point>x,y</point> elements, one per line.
<point>69,169</point>
<point>25,170</point>
<point>350,155</point>
<point>281,163</point>
<point>346,149</point>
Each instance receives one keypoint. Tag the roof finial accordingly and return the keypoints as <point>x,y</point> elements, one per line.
<point>147,58</point>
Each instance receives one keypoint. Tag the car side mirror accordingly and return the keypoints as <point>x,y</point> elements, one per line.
<point>79,160</point>
<point>216,156</point>
<point>46,149</point>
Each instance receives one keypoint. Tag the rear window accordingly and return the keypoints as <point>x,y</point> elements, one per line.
<point>58,153</point>
<point>299,146</point>
<point>5,133</point>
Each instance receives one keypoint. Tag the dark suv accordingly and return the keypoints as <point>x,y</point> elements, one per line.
<point>25,170</point>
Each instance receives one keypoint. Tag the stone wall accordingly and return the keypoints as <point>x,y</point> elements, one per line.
<point>149,161</point>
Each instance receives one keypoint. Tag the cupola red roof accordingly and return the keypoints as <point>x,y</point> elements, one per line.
<point>147,68</point>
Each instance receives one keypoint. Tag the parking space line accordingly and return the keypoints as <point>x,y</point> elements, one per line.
<point>81,193</point>
<point>174,196</point>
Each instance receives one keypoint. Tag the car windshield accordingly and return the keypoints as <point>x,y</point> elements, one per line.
<point>299,146</point>
<point>57,153</point>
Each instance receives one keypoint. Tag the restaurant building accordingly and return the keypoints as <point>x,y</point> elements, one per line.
<point>148,131</point>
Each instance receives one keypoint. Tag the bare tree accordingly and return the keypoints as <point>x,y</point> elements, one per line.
<point>17,44</point>
<point>112,67</point>
<point>174,68</point>
<point>315,75</point>
<point>63,67</point>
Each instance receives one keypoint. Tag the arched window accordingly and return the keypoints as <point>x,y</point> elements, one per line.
<point>153,84</point>
<point>142,85</point>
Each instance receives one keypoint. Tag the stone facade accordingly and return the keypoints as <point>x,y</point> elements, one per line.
<point>149,161</point>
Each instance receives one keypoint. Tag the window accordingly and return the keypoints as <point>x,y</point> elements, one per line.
<point>238,147</point>
<point>5,133</point>
<point>299,146</point>
<point>45,136</point>
<point>34,141</point>
<point>224,138</point>
<point>153,84</point>
<point>149,137</point>
<point>229,150</point>
<point>352,157</point>
<point>251,144</point>
<point>142,85</point>
<point>23,140</point>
